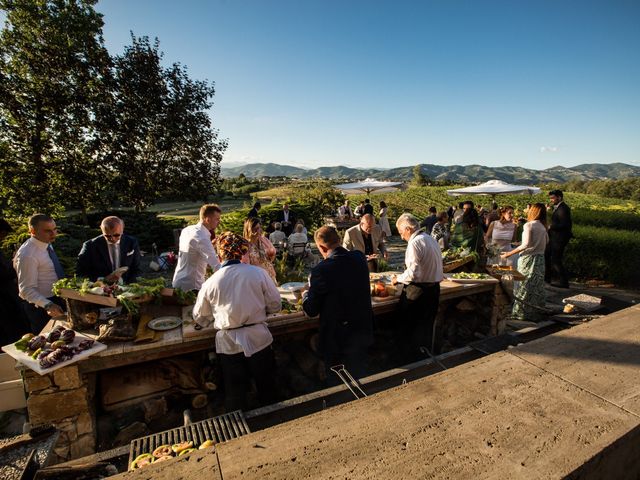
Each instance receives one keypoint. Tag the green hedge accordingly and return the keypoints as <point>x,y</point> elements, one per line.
<point>147,227</point>
<point>604,253</point>
<point>606,218</point>
<point>234,221</point>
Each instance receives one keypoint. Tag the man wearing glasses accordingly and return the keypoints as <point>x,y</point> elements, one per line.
<point>107,254</point>
<point>38,268</point>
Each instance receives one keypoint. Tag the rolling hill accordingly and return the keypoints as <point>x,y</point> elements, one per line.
<point>454,173</point>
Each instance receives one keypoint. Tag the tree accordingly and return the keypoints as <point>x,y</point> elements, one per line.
<point>419,178</point>
<point>53,69</point>
<point>163,140</point>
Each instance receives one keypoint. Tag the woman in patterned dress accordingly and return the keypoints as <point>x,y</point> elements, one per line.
<point>261,251</point>
<point>530,296</point>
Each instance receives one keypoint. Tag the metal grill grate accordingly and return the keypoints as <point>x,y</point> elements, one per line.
<point>219,429</point>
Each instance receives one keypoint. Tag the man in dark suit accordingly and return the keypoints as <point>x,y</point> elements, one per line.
<point>429,221</point>
<point>339,293</point>
<point>368,208</point>
<point>103,255</point>
<point>287,218</point>
<point>559,236</point>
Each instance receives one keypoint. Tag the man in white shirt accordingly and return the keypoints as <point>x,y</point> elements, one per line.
<point>238,298</point>
<point>420,296</point>
<point>196,250</point>
<point>38,268</point>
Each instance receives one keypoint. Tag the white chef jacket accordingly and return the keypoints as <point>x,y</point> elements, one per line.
<point>238,297</point>
<point>423,260</point>
<point>36,273</point>
<point>195,253</point>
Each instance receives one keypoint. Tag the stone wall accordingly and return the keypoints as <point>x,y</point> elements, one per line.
<point>65,399</point>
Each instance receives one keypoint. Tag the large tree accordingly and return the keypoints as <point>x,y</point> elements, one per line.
<point>53,74</point>
<point>163,140</point>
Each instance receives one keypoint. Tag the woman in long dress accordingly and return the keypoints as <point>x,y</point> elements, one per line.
<point>502,233</point>
<point>530,295</point>
<point>384,220</point>
<point>261,251</point>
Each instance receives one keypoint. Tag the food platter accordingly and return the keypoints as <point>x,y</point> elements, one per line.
<point>34,365</point>
<point>483,278</point>
<point>161,324</point>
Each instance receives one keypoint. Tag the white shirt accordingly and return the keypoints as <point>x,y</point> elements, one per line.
<point>286,215</point>
<point>422,259</point>
<point>235,296</point>
<point>297,238</point>
<point>36,273</point>
<point>534,239</point>
<point>115,262</point>
<point>195,253</point>
<point>277,237</point>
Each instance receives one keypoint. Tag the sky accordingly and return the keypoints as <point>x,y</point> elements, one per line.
<point>394,83</point>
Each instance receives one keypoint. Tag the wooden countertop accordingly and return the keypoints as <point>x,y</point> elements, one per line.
<point>172,342</point>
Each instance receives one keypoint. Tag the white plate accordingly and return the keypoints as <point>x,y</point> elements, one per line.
<point>161,324</point>
<point>34,365</point>
<point>471,280</point>
<point>291,286</point>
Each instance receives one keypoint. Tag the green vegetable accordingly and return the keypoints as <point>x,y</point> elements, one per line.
<point>21,344</point>
<point>36,353</point>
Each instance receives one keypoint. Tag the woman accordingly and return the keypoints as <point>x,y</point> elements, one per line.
<point>300,222</point>
<point>440,231</point>
<point>384,220</point>
<point>261,252</point>
<point>530,296</point>
<point>468,233</point>
<point>502,233</point>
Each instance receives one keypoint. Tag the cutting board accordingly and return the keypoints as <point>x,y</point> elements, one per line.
<point>188,330</point>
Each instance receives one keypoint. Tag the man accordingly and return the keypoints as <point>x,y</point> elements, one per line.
<point>38,268</point>
<point>253,213</point>
<point>368,208</point>
<point>420,296</point>
<point>359,210</point>
<point>238,299</point>
<point>103,255</point>
<point>339,293</point>
<point>277,237</point>
<point>367,238</point>
<point>559,235</point>
<point>13,322</point>
<point>287,219</point>
<point>195,250</point>
<point>430,221</point>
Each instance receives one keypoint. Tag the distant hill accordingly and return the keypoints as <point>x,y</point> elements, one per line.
<point>454,173</point>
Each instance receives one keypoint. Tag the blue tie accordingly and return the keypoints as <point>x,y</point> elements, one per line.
<point>56,262</point>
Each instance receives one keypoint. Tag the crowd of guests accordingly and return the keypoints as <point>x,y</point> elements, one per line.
<point>242,288</point>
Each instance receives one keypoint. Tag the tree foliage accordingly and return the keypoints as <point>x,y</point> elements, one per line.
<point>53,73</point>
<point>80,128</point>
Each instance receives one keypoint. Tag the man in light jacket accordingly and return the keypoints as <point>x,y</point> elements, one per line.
<point>366,237</point>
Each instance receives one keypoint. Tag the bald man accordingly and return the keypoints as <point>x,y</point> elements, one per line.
<point>367,238</point>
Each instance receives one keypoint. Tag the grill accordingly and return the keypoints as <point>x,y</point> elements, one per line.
<point>21,456</point>
<point>219,429</point>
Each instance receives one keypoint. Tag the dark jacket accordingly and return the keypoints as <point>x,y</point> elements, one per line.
<point>253,213</point>
<point>368,208</point>
<point>560,229</point>
<point>339,293</point>
<point>428,223</point>
<point>13,323</point>
<point>94,260</point>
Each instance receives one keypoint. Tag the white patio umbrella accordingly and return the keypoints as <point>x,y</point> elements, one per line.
<point>367,186</point>
<point>493,188</point>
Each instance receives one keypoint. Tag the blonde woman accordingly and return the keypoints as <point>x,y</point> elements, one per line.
<point>261,251</point>
<point>530,296</point>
